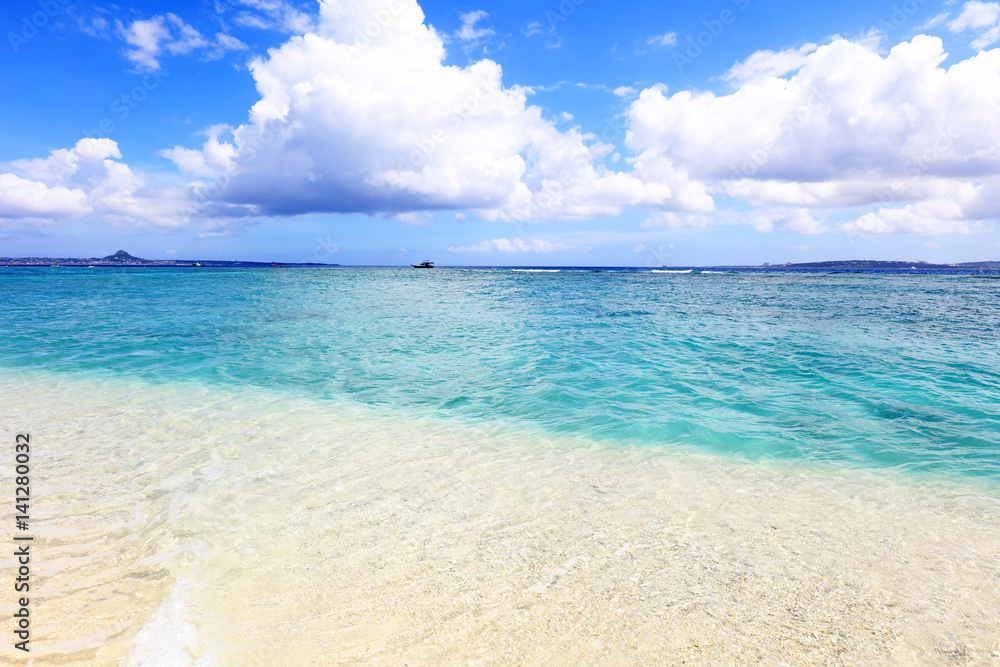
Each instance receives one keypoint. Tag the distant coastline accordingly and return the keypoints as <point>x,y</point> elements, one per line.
<point>856,266</point>
<point>123,259</point>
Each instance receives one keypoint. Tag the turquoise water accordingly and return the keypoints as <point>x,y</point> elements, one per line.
<point>881,371</point>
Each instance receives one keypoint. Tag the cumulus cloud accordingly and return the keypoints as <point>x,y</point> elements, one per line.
<point>84,180</point>
<point>943,216</point>
<point>516,245</point>
<point>821,125</point>
<point>362,116</point>
<point>900,128</point>
<point>23,198</point>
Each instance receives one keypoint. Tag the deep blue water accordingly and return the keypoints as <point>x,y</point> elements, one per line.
<point>872,370</point>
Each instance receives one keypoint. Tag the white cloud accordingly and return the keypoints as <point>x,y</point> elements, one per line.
<point>146,38</point>
<point>516,245</point>
<point>417,219</point>
<point>794,221</point>
<point>987,39</point>
<point>765,64</point>
<point>247,20</point>
<point>213,159</point>
<point>934,22</point>
<point>667,39</point>
<point>532,29</point>
<point>381,125</point>
<point>975,15</point>
<point>228,42</point>
<point>928,218</point>
<point>900,129</point>
<point>361,115</point>
<point>85,180</point>
<point>22,198</point>
<point>150,39</point>
<point>469,32</point>
<point>893,115</point>
<point>272,15</point>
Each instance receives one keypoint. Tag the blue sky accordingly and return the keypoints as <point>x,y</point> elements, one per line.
<point>572,133</point>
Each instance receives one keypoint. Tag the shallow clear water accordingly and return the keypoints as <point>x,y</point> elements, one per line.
<point>873,370</point>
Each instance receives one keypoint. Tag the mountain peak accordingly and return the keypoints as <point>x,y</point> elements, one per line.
<point>122,256</point>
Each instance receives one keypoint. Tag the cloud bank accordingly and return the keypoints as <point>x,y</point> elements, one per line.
<point>87,180</point>
<point>850,128</point>
<point>359,114</point>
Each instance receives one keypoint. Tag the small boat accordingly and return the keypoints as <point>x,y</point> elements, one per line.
<point>426,264</point>
<point>197,264</point>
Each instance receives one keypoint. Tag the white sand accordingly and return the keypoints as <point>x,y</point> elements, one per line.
<point>183,527</point>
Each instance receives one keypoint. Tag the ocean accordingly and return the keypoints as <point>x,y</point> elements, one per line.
<point>501,466</point>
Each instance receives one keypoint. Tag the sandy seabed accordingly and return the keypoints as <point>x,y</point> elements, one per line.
<point>187,526</point>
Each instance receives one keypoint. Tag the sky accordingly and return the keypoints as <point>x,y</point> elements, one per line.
<point>571,132</point>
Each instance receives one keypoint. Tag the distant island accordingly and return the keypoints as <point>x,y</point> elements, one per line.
<point>865,265</point>
<point>122,258</point>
